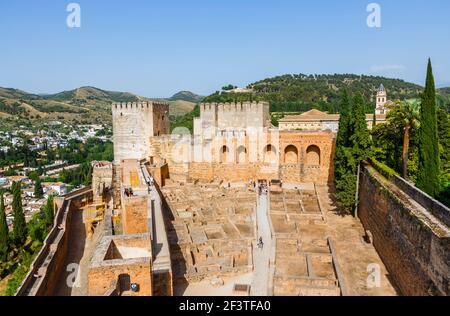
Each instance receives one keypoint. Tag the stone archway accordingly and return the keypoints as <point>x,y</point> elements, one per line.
<point>291,155</point>
<point>242,154</point>
<point>270,154</point>
<point>313,156</point>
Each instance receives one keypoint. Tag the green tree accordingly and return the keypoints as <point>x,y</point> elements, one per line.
<point>345,181</point>
<point>344,167</point>
<point>429,162</point>
<point>49,212</point>
<point>444,136</point>
<point>3,232</point>
<point>38,191</point>
<point>343,136</point>
<point>20,227</point>
<point>374,118</point>
<point>360,138</point>
<point>37,228</point>
<point>406,113</point>
<point>353,145</point>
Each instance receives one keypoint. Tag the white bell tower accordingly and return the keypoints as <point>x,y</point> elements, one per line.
<point>381,101</point>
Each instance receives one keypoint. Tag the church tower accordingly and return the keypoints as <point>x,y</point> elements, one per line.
<point>381,101</point>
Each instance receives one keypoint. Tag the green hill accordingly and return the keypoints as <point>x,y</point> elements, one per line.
<point>444,98</point>
<point>302,92</point>
<point>444,92</point>
<point>86,95</point>
<point>186,96</point>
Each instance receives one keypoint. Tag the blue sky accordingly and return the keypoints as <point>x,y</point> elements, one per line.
<point>156,48</point>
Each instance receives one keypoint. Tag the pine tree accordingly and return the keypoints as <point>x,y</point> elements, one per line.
<point>20,227</point>
<point>429,162</point>
<point>38,191</point>
<point>3,232</point>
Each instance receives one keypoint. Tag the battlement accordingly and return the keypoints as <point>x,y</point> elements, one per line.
<point>140,105</point>
<point>234,106</point>
<point>133,125</point>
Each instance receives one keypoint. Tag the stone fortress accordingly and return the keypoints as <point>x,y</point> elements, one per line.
<point>182,214</point>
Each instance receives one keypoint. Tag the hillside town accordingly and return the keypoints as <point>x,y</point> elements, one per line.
<point>37,141</point>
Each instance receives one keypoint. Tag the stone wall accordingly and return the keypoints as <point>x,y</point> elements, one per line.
<point>226,116</point>
<point>120,261</point>
<point>135,214</point>
<point>288,156</point>
<point>102,178</point>
<point>102,278</point>
<point>46,268</point>
<point>413,244</point>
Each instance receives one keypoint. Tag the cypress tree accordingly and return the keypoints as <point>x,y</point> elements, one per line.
<point>20,227</point>
<point>38,191</point>
<point>344,163</point>
<point>49,212</point>
<point>3,232</point>
<point>360,139</point>
<point>429,162</point>
<point>353,145</point>
<point>374,123</point>
<point>343,135</point>
<point>346,178</point>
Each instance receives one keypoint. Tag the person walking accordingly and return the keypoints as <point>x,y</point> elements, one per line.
<point>260,243</point>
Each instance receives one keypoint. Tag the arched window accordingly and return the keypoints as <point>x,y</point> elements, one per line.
<point>313,156</point>
<point>242,154</point>
<point>270,154</point>
<point>291,155</point>
<point>224,154</point>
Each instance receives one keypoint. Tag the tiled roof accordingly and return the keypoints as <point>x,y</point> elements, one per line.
<point>312,115</point>
<point>316,115</point>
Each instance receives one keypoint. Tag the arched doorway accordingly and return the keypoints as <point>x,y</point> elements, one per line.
<point>124,282</point>
<point>313,156</point>
<point>270,154</point>
<point>242,154</point>
<point>291,155</point>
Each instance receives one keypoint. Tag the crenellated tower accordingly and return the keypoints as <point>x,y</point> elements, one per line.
<point>232,116</point>
<point>133,126</point>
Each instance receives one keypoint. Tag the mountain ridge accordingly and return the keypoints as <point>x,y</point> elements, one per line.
<point>87,104</point>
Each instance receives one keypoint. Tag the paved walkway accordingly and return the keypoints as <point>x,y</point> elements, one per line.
<point>77,253</point>
<point>261,257</point>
